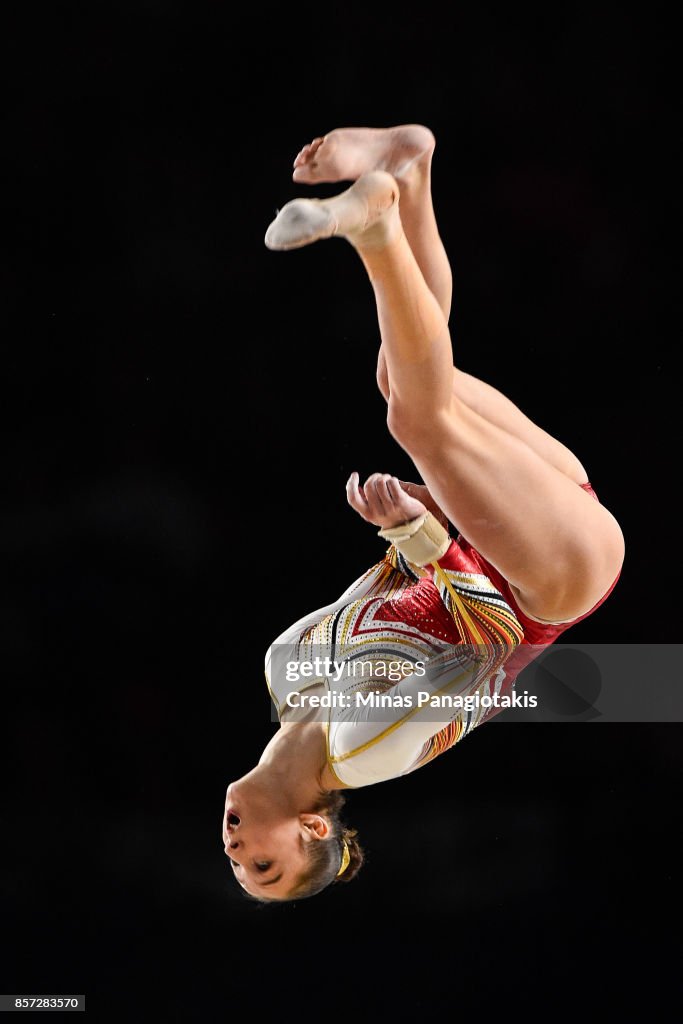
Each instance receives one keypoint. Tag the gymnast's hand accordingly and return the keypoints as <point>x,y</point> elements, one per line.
<point>384,501</point>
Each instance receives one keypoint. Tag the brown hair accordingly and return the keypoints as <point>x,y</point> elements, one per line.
<point>325,856</point>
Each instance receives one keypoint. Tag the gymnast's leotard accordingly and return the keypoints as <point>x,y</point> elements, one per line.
<point>458,616</point>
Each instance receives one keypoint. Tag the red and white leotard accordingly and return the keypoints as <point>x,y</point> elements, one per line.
<point>399,612</point>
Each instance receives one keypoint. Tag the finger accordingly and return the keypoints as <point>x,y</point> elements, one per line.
<point>394,489</point>
<point>354,496</point>
<point>409,488</point>
<point>383,492</point>
<point>352,492</point>
<point>372,495</point>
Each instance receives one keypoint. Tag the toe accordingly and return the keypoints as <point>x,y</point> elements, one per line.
<point>307,153</point>
<point>304,174</point>
<point>300,156</point>
<point>299,223</point>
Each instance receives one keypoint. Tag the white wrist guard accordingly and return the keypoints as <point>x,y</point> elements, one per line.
<point>420,540</point>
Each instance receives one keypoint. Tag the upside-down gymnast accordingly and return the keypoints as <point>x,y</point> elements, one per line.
<point>535,551</point>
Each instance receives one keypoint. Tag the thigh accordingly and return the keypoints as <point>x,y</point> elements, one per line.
<point>497,408</point>
<point>501,410</point>
<point>558,548</point>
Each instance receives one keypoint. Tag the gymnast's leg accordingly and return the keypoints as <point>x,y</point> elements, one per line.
<point>406,152</point>
<point>559,549</point>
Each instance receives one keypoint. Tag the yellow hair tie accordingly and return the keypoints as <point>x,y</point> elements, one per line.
<point>346,857</point>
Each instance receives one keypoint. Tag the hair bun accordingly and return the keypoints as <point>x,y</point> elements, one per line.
<point>356,855</point>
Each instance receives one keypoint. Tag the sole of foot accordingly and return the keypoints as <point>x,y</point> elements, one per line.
<point>347,153</point>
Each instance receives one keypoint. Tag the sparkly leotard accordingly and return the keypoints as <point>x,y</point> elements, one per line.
<point>458,616</point>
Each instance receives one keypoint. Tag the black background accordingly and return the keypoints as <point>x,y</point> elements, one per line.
<point>183,409</point>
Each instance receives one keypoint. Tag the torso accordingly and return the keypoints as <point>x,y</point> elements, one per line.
<point>397,612</point>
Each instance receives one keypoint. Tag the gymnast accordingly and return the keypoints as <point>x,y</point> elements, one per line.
<point>534,550</point>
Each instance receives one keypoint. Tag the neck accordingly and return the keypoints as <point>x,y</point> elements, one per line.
<point>294,764</point>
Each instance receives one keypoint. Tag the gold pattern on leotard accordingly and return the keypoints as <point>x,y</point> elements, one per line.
<point>363,631</point>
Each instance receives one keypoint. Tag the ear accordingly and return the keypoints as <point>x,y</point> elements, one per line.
<point>314,827</point>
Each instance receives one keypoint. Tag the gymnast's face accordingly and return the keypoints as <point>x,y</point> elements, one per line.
<point>266,844</point>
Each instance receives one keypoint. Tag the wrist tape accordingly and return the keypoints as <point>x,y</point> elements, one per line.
<point>420,540</point>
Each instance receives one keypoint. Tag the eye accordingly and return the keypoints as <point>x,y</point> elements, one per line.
<point>262,865</point>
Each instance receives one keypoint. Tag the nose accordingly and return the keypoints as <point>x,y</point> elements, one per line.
<point>232,842</point>
<point>233,850</point>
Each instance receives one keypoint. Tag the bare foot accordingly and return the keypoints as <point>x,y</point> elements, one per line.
<point>347,153</point>
<point>366,214</point>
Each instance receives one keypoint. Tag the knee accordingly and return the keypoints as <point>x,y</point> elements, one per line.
<point>383,380</point>
<point>415,427</point>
